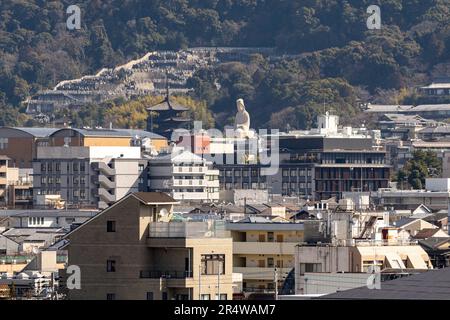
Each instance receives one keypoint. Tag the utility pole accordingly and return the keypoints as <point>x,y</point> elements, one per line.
<point>218,281</point>
<point>276,283</point>
<point>199,282</point>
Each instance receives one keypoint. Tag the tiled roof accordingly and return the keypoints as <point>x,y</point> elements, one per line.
<point>154,197</point>
<point>430,285</point>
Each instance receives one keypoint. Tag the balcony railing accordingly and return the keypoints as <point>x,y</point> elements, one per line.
<point>166,274</point>
<point>193,230</point>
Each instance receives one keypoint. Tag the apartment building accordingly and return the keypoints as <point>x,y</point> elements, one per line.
<point>93,176</point>
<point>184,175</point>
<point>15,185</point>
<point>327,268</point>
<point>128,252</point>
<point>264,251</point>
<point>326,161</point>
<point>20,144</point>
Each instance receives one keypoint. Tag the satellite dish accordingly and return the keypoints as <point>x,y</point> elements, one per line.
<point>35,250</point>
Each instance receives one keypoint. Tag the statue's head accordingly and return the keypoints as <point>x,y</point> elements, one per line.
<point>240,105</point>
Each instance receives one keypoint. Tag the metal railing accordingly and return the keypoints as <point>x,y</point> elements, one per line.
<point>191,229</point>
<point>146,274</point>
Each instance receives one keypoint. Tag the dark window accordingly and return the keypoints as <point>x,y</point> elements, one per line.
<point>149,295</point>
<point>111,226</point>
<point>213,264</point>
<point>164,296</point>
<point>110,296</point>
<point>111,266</point>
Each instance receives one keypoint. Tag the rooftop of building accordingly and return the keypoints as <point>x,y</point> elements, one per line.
<point>154,198</point>
<point>34,131</point>
<point>435,242</point>
<point>120,133</point>
<point>47,213</point>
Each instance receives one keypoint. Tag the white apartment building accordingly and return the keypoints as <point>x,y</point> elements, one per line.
<point>88,176</point>
<point>184,176</point>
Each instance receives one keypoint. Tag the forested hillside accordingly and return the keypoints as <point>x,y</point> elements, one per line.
<point>331,57</point>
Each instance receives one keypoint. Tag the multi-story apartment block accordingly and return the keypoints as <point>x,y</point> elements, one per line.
<point>15,185</point>
<point>127,252</point>
<point>88,176</point>
<point>184,175</point>
<point>327,161</point>
<point>264,251</point>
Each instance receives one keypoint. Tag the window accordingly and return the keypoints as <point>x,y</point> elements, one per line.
<point>111,266</point>
<point>110,296</point>
<point>111,226</point>
<point>213,264</point>
<point>3,143</point>
<point>310,267</point>
<point>205,297</point>
<point>58,167</point>
<point>223,296</point>
<point>164,296</point>
<point>270,262</point>
<point>285,173</point>
<point>270,236</point>
<point>82,180</point>
<point>43,167</point>
<point>82,167</point>
<point>83,194</point>
<point>75,167</point>
<point>149,295</point>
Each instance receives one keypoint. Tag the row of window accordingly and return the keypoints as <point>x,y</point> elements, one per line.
<point>36,220</point>
<point>295,186</point>
<point>75,193</point>
<point>211,264</point>
<point>239,173</point>
<point>296,173</point>
<point>245,186</point>
<point>50,167</point>
<point>57,180</point>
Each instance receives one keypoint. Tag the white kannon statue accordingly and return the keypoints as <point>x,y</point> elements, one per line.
<point>242,120</point>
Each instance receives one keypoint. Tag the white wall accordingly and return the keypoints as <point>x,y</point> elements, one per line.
<point>437,184</point>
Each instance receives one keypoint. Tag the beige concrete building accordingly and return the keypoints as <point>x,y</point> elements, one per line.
<point>128,252</point>
<point>263,250</point>
<point>327,268</point>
